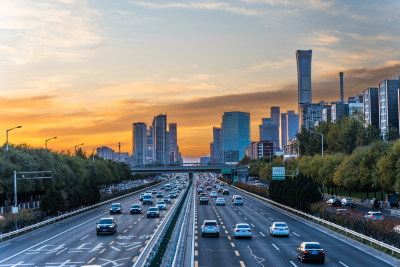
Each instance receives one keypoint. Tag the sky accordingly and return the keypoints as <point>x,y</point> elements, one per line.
<point>85,70</point>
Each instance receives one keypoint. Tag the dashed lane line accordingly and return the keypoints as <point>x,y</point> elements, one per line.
<point>237,253</point>
<point>293,264</point>
<point>226,232</point>
<point>262,234</point>
<point>275,246</point>
<point>229,237</point>
<point>125,231</point>
<point>245,218</point>
<point>343,264</point>
<point>134,259</point>
<point>270,218</point>
<point>112,242</point>
<point>242,264</point>
<point>102,251</point>
<point>232,244</point>
<point>141,249</point>
<point>84,237</point>
<point>295,234</point>
<point>196,264</point>
<point>196,253</point>
<point>253,225</point>
<point>89,262</point>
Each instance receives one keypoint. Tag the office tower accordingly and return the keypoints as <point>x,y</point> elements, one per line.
<point>339,111</point>
<point>216,146</point>
<point>173,143</point>
<point>139,143</point>
<point>283,131</point>
<point>292,126</point>
<point>311,114</point>
<point>257,150</point>
<point>269,131</point>
<point>235,135</point>
<point>303,58</point>
<point>106,153</point>
<point>371,107</point>
<point>389,105</point>
<point>341,86</point>
<point>275,114</point>
<point>161,138</point>
<point>327,114</point>
<point>150,145</point>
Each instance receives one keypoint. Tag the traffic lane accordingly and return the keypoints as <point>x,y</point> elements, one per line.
<point>337,251</point>
<point>67,228</point>
<point>213,251</point>
<point>258,249</point>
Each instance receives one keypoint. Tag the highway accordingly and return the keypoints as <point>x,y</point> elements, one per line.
<point>73,242</point>
<point>262,249</point>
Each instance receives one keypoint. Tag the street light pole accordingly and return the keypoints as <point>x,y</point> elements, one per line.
<point>77,146</point>
<point>322,142</point>
<point>55,137</point>
<point>7,134</point>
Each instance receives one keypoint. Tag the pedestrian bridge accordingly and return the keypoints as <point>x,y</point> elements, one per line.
<point>191,168</point>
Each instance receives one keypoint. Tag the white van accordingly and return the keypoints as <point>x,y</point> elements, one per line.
<point>147,199</point>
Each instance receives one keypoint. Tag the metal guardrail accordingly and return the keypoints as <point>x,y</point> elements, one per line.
<point>69,214</point>
<point>150,250</point>
<point>322,221</point>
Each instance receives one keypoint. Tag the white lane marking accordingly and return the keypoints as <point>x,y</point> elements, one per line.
<point>295,234</point>
<point>270,218</point>
<point>117,249</point>
<point>262,213</point>
<point>84,237</point>
<point>5,245</point>
<point>343,264</point>
<point>61,251</point>
<point>262,234</point>
<point>245,218</point>
<point>240,213</point>
<point>258,259</point>
<point>253,225</point>
<point>293,263</point>
<point>275,246</point>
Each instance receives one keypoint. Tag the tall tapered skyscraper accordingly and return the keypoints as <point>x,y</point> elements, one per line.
<point>303,58</point>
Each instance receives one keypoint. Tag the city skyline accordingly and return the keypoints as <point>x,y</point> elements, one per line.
<point>85,71</point>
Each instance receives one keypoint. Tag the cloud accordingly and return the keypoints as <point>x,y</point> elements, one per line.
<point>35,31</point>
<point>322,38</point>
<point>272,65</point>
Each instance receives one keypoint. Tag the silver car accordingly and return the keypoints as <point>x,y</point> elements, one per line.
<point>242,230</point>
<point>210,227</point>
<point>220,201</point>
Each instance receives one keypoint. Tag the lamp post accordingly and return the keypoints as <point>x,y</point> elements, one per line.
<point>322,143</point>
<point>7,134</point>
<point>55,137</point>
<point>93,152</point>
<point>76,147</point>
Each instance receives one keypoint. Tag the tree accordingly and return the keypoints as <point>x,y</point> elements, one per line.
<point>388,167</point>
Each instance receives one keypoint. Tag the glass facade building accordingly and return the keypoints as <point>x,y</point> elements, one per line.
<point>216,145</point>
<point>303,58</point>
<point>388,105</point>
<point>371,107</point>
<point>292,126</point>
<point>161,139</point>
<point>269,131</point>
<point>139,143</point>
<point>235,135</point>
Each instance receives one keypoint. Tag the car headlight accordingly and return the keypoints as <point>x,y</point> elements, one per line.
<point>98,226</point>
<point>110,226</point>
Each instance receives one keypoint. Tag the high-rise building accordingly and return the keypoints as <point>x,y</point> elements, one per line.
<point>292,126</point>
<point>173,143</point>
<point>216,146</point>
<point>269,131</point>
<point>235,135</point>
<point>150,145</point>
<point>389,105</point>
<point>161,139</point>
<point>371,107</point>
<point>311,114</point>
<point>275,114</point>
<point>283,130</point>
<point>339,111</point>
<point>257,150</point>
<point>139,143</point>
<point>303,58</point>
<point>327,114</point>
<point>106,153</point>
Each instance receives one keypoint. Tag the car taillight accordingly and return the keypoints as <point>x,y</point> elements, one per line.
<point>322,252</point>
<point>204,225</point>
<point>237,230</point>
<point>286,228</point>
<point>372,217</point>
<point>216,226</point>
<point>306,252</point>
<point>249,230</point>
<point>275,228</point>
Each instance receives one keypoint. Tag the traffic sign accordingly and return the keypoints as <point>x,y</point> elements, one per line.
<point>278,173</point>
<point>226,171</point>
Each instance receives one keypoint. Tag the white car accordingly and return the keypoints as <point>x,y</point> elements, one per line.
<point>161,205</point>
<point>210,227</point>
<point>397,229</point>
<point>220,201</point>
<point>242,230</point>
<point>374,216</point>
<point>279,228</point>
<point>213,194</point>
<point>347,201</point>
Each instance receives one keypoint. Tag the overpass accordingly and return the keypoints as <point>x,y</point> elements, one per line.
<point>191,168</point>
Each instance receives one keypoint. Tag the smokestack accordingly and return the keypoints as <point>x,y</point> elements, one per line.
<point>341,86</point>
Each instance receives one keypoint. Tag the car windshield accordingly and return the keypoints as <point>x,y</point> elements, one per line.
<point>280,225</point>
<point>220,199</point>
<point>238,198</point>
<point>135,206</point>
<point>105,221</point>
<point>115,205</point>
<point>376,213</point>
<point>210,223</point>
<point>313,246</point>
<point>242,226</point>
<point>153,209</point>
<point>160,202</point>
<point>166,197</point>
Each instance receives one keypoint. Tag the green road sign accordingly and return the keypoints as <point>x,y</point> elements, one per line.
<point>226,171</point>
<point>235,179</point>
<point>278,173</point>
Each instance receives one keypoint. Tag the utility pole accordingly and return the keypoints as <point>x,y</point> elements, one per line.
<point>119,151</point>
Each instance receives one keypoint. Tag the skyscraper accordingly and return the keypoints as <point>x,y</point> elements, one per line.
<point>275,114</point>
<point>310,114</point>
<point>216,145</point>
<point>173,143</point>
<point>371,106</point>
<point>282,130</point>
<point>235,135</point>
<point>303,58</point>
<point>161,139</point>
<point>150,145</point>
<point>389,105</point>
<point>269,131</point>
<point>139,143</point>
<point>292,125</point>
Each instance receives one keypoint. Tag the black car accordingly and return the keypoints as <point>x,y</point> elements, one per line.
<point>334,202</point>
<point>116,208</point>
<point>135,209</point>
<point>160,194</point>
<point>106,226</point>
<point>311,251</point>
<point>203,200</point>
<point>225,192</point>
<point>153,212</point>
